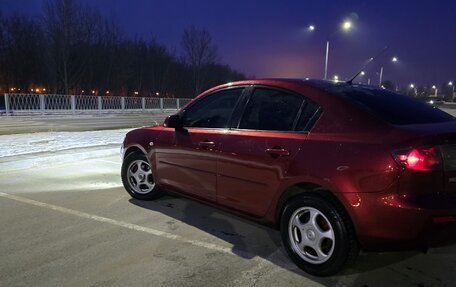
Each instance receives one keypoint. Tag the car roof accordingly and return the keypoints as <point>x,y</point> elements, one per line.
<point>324,85</point>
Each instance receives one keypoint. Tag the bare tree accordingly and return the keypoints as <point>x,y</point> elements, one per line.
<point>2,52</point>
<point>199,53</point>
<point>20,49</point>
<point>73,47</point>
<point>71,30</point>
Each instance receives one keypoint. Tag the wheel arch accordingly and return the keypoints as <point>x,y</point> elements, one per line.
<point>309,188</point>
<point>133,149</point>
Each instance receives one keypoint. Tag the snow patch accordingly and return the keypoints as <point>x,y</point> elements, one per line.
<point>20,144</point>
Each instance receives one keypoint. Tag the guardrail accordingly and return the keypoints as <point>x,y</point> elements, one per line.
<point>37,103</point>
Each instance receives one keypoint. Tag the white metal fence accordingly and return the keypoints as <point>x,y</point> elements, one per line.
<point>33,103</point>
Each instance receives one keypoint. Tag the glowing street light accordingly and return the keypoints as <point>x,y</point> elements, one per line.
<point>436,90</point>
<point>346,26</point>
<point>450,83</point>
<point>336,78</point>
<point>362,73</point>
<point>412,86</point>
<point>136,93</point>
<point>394,60</point>
<point>311,28</point>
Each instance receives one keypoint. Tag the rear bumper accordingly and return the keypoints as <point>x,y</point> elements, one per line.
<point>386,222</point>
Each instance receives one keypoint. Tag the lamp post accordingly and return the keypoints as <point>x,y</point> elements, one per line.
<point>435,89</point>
<point>452,90</point>
<point>346,26</point>
<point>394,60</point>
<point>412,86</point>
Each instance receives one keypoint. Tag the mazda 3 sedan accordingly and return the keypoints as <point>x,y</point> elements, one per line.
<point>337,167</point>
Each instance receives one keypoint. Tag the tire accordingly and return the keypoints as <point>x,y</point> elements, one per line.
<point>323,246</point>
<point>137,177</point>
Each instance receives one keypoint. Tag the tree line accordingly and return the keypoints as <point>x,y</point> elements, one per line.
<point>73,49</point>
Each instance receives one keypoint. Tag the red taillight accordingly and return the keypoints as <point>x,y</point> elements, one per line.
<point>423,158</point>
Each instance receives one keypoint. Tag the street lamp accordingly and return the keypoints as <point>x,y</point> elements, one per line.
<point>412,86</point>
<point>436,90</point>
<point>336,78</point>
<point>452,90</point>
<point>346,26</point>
<point>311,28</point>
<point>394,60</point>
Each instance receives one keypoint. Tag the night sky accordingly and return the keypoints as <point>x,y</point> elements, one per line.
<point>269,38</point>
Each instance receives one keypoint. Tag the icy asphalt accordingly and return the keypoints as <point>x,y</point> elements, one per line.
<point>66,221</point>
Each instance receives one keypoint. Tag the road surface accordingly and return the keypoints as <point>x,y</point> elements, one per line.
<point>67,221</point>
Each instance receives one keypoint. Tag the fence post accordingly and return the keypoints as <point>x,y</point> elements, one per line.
<point>143,103</point>
<point>73,104</point>
<point>122,103</point>
<point>7,105</point>
<point>178,103</point>
<point>42,104</point>
<point>161,104</point>
<point>100,104</point>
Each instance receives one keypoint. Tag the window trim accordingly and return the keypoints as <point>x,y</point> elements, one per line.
<point>251,89</point>
<point>241,87</point>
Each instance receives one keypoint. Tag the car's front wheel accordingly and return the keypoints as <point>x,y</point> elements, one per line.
<point>138,179</point>
<point>318,235</point>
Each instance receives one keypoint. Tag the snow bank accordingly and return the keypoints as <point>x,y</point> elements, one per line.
<point>20,144</point>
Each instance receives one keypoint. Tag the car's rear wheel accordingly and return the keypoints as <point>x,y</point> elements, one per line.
<point>138,179</point>
<point>318,235</point>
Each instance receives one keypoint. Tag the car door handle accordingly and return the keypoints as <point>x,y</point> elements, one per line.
<point>207,144</point>
<point>277,151</point>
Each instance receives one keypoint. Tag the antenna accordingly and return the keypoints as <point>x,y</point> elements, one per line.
<point>367,64</point>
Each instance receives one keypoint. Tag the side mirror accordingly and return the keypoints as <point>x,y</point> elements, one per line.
<point>174,121</point>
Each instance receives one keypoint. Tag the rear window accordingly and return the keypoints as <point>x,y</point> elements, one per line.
<point>394,108</point>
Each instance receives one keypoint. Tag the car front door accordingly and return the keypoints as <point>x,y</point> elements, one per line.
<point>256,154</point>
<point>186,158</point>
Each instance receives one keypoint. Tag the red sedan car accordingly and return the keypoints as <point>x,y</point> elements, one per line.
<point>337,167</point>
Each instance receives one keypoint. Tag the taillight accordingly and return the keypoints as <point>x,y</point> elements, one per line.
<point>422,158</point>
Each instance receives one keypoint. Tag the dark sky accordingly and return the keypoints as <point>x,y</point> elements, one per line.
<point>268,38</point>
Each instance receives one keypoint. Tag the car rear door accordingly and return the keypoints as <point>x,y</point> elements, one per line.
<point>258,150</point>
<point>186,159</point>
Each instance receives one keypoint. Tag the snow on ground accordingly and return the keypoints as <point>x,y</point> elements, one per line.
<point>21,144</point>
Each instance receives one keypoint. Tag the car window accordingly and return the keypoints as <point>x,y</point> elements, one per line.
<point>212,111</point>
<point>308,117</point>
<point>395,108</point>
<point>272,110</point>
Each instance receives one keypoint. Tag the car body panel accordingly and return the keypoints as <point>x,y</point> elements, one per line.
<point>183,162</point>
<point>248,176</point>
